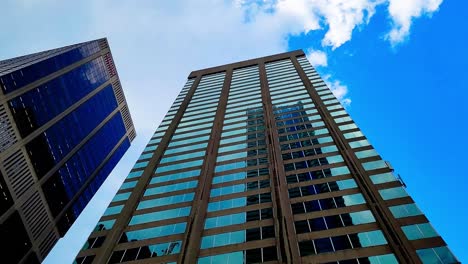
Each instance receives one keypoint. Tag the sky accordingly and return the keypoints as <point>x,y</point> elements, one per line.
<point>397,65</point>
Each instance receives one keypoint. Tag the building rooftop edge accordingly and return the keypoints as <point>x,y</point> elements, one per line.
<point>246,63</point>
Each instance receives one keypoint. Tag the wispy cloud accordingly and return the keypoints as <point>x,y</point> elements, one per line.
<point>403,12</point>
<point>317,58</point>
<point>339,90</point>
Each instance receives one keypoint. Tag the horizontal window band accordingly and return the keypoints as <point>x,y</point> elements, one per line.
<point>241,170</point>
<point>320,181</point>
<point>312,169</point>
<point>330,212</point>
<point>307,138</point>
<point>343,255</point>
<point>240,194</point>
<point>241,159</point>
<point>171,193</point>
<point>150,241</point>
<point>237,227</point>
<point>324,195</point>
<point>309,158</point>
<point>161,208</point>
<point>287,151</point>
<point>348,230</point>
<point>170,183</point>
<point>148,225</point>
<point>239,209</point>
<point>242,181</point>
<point>237,247</point>
<point>177,171</point>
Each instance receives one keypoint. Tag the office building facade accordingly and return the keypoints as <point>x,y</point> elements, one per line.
<point>258,162</point>
<point>64,126</point>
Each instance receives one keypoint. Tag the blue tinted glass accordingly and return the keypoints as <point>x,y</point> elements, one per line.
<point>166,200</point>
<point>29,74</point>
<point>175,176</point>
<point>84,162</point>
<point>156,231</point>
<point>170,188</point>
<point>69,88</point>
<point>76,125</point>
<point>160,215</point>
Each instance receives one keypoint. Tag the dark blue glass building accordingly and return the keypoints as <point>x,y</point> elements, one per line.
<point>64,125</point>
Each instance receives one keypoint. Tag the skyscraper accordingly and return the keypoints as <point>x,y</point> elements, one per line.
<point>64,124</point>
<point>258,162</point>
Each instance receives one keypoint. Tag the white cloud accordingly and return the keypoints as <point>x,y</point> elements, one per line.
<point>317,58</point>
<point>403,12</point>
<point>338,18</point>
<point>339,90</point>
<point>293,17</point>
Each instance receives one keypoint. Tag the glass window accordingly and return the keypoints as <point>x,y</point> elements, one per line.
<point>230,166</point>
<point>383,177</point>
<point>373,165</point>
<point>128,185</point>
<point>186,148</point>
<point>190,134</point>
<point>393,193</point>
<point>228,258</point>
<point>230,177</point>
<point>362,217</point>
<point>366,154</point>
<point>225,220</point>
<point>227,204</point>
<point>353,199</point>
<point>178,166</point>
<point>227,190</point>
<point>347,127</point>
<point>145,156</point>
<point>150,148</point>
<point>353,134</point>
<point>233,147</point>
<point>140,165</point>
<point>359,143</point>
<point>419,231</point>
<point>175,176</point>
<point>182,157</point>
<point>113,210</point>
<point>405,210</point>
<point>439,255</point>
<point>160,215</point>
<point>372,238</point>
<point>121,197</point>
<point>171,188</point>
<point>383,259</point>
<point>134,174</point>
<point>188,141</point>
<point>186,197</point>
<point>154,232</point>
<point>342,119</point>
<point>223,239</point>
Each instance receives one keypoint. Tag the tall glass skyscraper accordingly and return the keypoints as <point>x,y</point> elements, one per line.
<point>64,125</point>
<point>258,162</point>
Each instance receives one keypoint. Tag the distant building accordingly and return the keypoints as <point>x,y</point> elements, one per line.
<point>258,162</point>
<point>64,125</point>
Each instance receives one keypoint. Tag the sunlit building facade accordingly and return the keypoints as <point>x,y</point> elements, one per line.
<point>258,162</point>
<point>64,125</point>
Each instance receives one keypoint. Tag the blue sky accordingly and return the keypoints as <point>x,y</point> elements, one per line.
<point>399,66</point>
